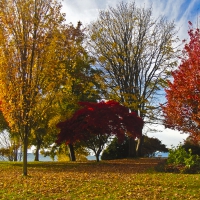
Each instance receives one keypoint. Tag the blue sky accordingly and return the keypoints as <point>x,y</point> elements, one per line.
<point>179,11</point>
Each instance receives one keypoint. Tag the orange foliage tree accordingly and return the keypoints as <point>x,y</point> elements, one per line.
<point>182,111</point>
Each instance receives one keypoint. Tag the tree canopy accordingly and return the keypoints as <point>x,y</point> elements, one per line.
<point>100,119</point>
<point>117,150</point>
<point>182,109</point>
<point>136,54</point>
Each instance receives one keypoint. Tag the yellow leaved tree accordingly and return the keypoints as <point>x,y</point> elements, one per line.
<point>30,68</point>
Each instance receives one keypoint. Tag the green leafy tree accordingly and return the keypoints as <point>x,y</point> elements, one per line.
<point>117,150</point>
<point>136,54</point>
<point>151,145</point>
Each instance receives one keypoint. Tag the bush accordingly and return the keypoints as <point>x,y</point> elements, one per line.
<point>189,143</point>
<point>179,160</point>
<point>116,150</point>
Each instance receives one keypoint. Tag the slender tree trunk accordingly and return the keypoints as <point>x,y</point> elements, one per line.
<point>20,153</point>
<point>97,154</point>
<point>132,149</point>
<point>71,152</point>
<point>15,152</point>
<point>132,146</point>
<point>25,148</point>
<point>97,157</point>
<point>139,146</point>
<point>37,153</point>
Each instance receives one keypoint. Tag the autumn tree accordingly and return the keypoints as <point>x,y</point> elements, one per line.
<point>181,111</point>
<point>3,123</point>
<point>42,134</point>
<point>10,143</point>
<point>135,53</point>
<point>29,67</point>
<point>75,87</point>
<point>10,147</point>
<point>95,122</point>
<point>83,82</point>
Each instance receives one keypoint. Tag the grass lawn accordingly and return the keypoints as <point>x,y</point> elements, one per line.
<point>119,179</point>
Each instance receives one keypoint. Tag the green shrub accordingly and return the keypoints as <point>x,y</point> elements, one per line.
<point>116,150</point>
<point>179,160</point>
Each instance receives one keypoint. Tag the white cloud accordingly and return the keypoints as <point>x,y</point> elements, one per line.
<point>175,10</point>
<point>167,136</point>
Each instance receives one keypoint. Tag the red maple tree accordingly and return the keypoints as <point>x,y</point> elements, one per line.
<point>100,119</point>
<point>182,111</point>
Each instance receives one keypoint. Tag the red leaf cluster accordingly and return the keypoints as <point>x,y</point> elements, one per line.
<point>104,118</point>
<point>182,110</point>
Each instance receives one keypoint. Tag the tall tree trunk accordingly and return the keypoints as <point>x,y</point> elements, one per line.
<point>71,152</point>
<point>97,154</point>
<point>139,146</point>
<point>97,157</point>
<point>132,149</point>
<point>15,152</point>
<point>37,152</point>
<point>25,147</point>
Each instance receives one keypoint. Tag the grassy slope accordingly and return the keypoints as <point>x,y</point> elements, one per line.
<point>120,179</point>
